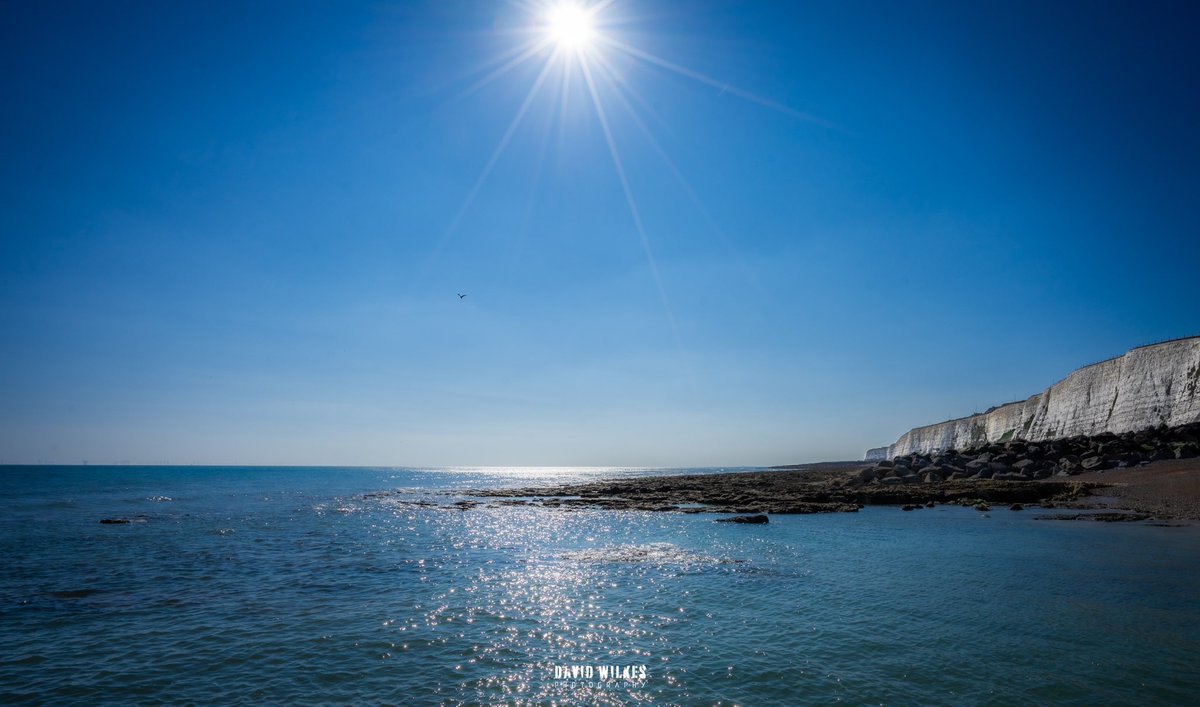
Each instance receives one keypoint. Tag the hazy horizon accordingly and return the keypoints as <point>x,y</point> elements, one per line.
<point>700,234</point>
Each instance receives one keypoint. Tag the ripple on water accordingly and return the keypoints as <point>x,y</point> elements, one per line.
<point>650,553</point>
<point>291,600</point>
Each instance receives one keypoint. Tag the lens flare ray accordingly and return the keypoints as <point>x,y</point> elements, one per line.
<point>523,53</point>
<point>491,163</point>
<point>632,203</point>
<point>724,86</point>
<point>572,36</point>
<point>620,84</point>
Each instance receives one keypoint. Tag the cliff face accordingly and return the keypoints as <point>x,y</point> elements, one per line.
<point>1148,386</point>
<point>876,454</point>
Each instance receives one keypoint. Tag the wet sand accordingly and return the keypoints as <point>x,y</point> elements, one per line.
<point>1168,489</point>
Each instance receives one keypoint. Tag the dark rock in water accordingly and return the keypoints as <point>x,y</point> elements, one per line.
<point>1016,507</point>
<point>931,504</point>
<point>114,521</point>
<point>982,507</point>
<point>757,519</point>
<point>909,507</point>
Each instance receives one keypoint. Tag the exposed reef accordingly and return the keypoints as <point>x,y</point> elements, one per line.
<point>751,520</point>
<point>1153,472</point>
<point>815,489</point>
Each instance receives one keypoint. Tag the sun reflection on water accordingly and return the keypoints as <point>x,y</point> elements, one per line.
<point>301,594</point>
<point>513,593</point>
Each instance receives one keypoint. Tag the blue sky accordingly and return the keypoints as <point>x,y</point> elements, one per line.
<point>234,233</point>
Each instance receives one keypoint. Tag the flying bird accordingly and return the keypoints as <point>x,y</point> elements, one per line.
<point>460,295</point>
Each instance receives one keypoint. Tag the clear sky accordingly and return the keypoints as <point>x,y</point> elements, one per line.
<point>236,232</point>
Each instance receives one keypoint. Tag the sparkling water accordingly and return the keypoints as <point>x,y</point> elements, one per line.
<point>290,585</point>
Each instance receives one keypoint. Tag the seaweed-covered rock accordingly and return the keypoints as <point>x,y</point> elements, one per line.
<point>754,519</point>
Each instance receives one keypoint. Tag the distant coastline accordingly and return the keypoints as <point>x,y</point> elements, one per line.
<point>1148,386</point>
<point>1152,475</point>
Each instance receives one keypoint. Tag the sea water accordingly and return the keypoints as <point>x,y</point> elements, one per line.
<point>301,586</point>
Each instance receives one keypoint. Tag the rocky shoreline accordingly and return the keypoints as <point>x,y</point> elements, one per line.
<point>1029,461</point>
<point>817,488</point>
<point>1149,475</point>
<point>1015,474</point>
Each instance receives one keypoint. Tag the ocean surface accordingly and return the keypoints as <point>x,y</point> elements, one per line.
<point>289,586</point>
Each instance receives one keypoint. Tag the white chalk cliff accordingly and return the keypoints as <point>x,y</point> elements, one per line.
<point>1147,387</point>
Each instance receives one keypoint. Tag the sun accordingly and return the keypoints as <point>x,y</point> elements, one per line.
<point>570,26</point>
<point>583,54</point>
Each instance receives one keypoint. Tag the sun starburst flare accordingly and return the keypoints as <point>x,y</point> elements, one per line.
<point>572,38</point>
